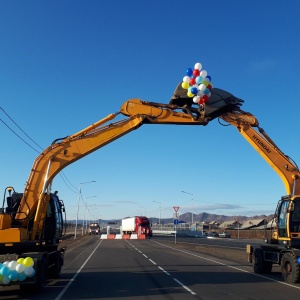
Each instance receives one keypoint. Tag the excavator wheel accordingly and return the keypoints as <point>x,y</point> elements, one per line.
<point>55,271</point>
<point>290,269</point>
<point>261,266</point>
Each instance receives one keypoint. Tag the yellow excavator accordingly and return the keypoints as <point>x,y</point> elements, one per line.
<point>32,223</point>
<point>282,244</point>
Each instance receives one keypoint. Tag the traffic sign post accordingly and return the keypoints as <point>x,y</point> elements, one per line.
<point>176,219</point>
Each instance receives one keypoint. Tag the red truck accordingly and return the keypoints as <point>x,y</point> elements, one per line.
<point>137,225</point>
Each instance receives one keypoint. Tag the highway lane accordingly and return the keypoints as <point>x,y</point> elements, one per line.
<point>154,269</point>
<point>222,242</point>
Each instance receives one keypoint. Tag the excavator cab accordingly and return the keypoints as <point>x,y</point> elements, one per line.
<point>53,223</point>
<point>288,221</point>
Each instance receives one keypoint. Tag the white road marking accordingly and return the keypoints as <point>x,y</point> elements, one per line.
<point>231,267</point>
<point>76,274</point>
<point>184,286</point>
<point>159,267</point>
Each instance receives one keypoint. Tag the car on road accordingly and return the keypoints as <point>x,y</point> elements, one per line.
<point>224,234</point>
<point>94,228</point>
<point>213,234</point>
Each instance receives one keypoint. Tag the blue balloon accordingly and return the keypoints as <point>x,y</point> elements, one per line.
<point>13,276</point>
<point>208,77</point>
<point>206,91</point>
<point>4,271</point>
<point>194,90</point>
<point>199,79</point>
<point>189,72</point>
<point>21,276</point>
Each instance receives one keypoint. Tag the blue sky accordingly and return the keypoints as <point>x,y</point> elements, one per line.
<point>67,64</point>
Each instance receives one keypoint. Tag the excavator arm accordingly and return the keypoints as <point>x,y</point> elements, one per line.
<point>63,152</point>
<point>248,127</point>
<point>287,215</point>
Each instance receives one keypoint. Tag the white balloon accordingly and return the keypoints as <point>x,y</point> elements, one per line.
<point>198,66</point>
<point>20,268</point>
<point>5,280</point>
<point>29,271</point>
<point>202,87</point>
<point>12,265</point>
<point>200,94</point>
<point>196,99</point>
<point>203,73</point>
<point>186,79</point>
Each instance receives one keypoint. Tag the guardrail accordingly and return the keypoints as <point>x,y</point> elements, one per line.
<point>163,232</point>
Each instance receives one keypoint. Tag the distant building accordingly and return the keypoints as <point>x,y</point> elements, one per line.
<point>233,224</point>
<point>255,223</point>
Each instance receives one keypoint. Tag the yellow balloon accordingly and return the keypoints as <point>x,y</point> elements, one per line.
<point>190,94</point>
<point>185,85</point>
<point>20,260</point>
<point>28,262</point>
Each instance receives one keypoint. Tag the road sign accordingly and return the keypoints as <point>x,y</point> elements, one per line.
<point>176,221</point>
<point>176,208</point>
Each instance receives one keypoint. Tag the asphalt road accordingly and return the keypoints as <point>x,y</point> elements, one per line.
<point>155,269</point>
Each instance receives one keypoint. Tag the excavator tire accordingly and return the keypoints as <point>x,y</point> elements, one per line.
<point>290,269</point>
<point>55,271</point>
<point>261,266</point>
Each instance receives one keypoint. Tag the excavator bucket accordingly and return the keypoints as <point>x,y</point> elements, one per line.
<point>220,102</point>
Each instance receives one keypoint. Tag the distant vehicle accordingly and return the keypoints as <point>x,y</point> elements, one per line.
<point>94,228</point>
<point>137,225</point>
<point>213,234</point>
<point>224,234</point>
<point>205,233</point>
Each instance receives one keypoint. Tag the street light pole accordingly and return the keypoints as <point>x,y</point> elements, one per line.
<point>84,219</point>
<point>159,212</point>
<point>144,208</point>
<point>192,205</point>
<point>79,196</point>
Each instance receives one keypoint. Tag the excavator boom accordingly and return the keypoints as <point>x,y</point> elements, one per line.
<point>63,152</point>
<point>248,127</point>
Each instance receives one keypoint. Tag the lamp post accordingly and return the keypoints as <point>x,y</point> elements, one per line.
<point>192,205</point>
<point>159,212</point>
<point>144,208</point>
<point>85,207</point>
<point>79,195</point>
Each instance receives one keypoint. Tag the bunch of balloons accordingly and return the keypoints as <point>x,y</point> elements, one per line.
<point>198,84</point>
<point>16,270</point>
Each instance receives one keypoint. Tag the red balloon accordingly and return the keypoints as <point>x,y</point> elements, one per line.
<point>209,87</point>
<point>192,81</point>
<point>201,101</point>
<point>196,72</point>
<point>205,98</point>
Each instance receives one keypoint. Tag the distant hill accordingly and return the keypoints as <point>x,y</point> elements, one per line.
<point>187,217</point>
